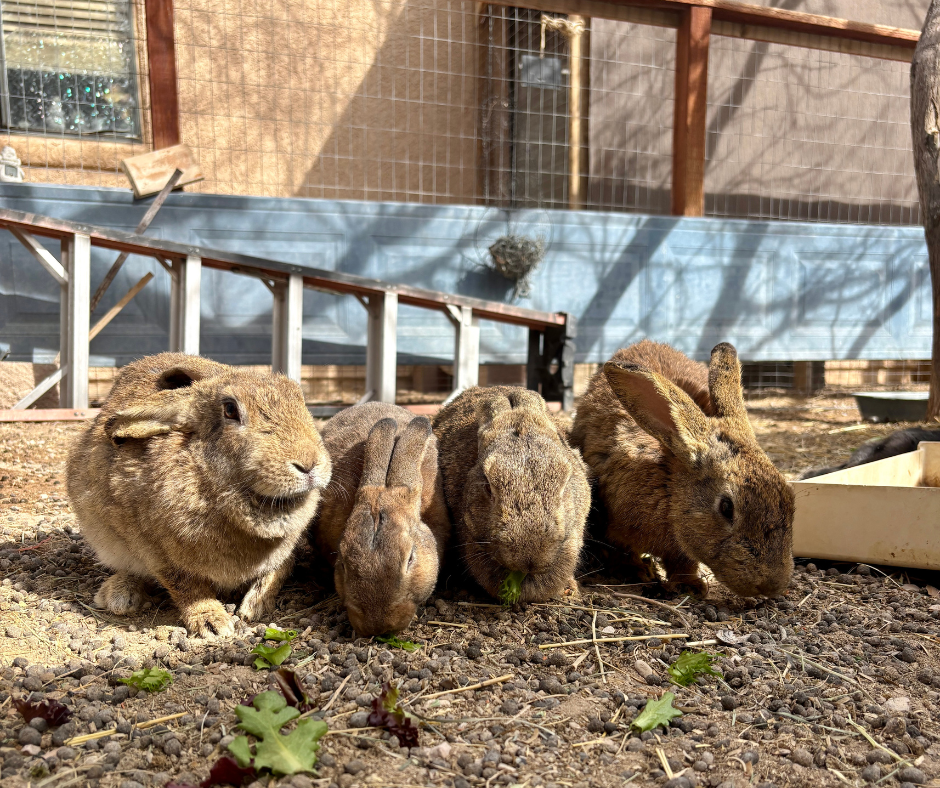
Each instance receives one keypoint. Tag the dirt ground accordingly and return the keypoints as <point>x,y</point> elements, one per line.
<point>837,682</point>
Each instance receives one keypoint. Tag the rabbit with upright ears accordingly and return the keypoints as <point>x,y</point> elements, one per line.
<point>383,524</point>
<point>199,476</point>
<point>518,493</point>
<point>679,471</point>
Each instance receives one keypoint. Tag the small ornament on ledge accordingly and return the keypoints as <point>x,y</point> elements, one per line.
<point>10,169</point>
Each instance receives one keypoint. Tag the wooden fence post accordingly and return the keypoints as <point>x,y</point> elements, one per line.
<point>466,347</point>
<point>164,90</point>
<point>688,133</point>
<point>381,347</point>
<point>287,334</point>
<point>185,286</point>
<point>76,321</point>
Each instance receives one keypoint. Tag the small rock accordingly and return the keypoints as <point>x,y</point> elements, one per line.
<point>172,746</point>
<point>911,774</point>
<point>65,753</point>
<point>898,705</point>
<point>642,668</point>
<point>802,757</point>
<point>359,720</point>
<point>29,735</point>
<point>30,749</point>
<point>730,702</point>
<point>871,773</point>
<point>39,724</point>
<point>355,766</point>
<point>441,751</point>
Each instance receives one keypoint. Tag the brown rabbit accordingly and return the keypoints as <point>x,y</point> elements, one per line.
<point>518,494</point>
<point>201,476</point>
<point>679,472</point>
<point>383,524</point>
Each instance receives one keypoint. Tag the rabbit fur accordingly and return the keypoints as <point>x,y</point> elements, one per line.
<point>383,524</point>
<point>679,471</point>
<point>517,492</point>
<point>202,477</point>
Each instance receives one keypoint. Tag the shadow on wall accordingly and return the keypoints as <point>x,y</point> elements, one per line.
<point>409,130</point>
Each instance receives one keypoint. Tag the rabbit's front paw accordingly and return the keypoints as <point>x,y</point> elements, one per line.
<point>687,584</point>
<point>120,594</point>
<point>256,604</point>
<point>207,618</point>
<point>260,598</point>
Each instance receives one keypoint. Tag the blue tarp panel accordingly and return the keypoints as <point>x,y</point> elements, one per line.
<point>777,290</point>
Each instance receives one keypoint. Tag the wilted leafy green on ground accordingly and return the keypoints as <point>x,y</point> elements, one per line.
<point>689,666</point>
<point>394,642</point>
<point>149,679</point>
<point>388,713</point>
<point>656,712</point>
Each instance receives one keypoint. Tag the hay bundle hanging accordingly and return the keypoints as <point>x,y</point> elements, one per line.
<point>517,257</point>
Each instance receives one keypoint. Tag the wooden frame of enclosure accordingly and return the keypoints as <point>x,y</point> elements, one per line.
<point>695,20</point>
<point>550,359</point>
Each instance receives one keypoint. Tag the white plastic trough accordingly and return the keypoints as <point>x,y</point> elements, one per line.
<point>885,512</point>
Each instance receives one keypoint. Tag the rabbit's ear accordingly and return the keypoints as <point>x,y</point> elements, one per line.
<point>660,408</point>
<point>378,453</point>
<point>183,375</point>
<point>724,383</point>
<point>154,418</point>
<point>404,469</point>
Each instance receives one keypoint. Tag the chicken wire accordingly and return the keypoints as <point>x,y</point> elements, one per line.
<point>808,135</point>
<point>73,97</point>
<point>449,101</point>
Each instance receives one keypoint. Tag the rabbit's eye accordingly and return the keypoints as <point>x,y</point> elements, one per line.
<point>486,487</point>
<point>726,508</point>
<point>230,410</point>
<point>411,558</point>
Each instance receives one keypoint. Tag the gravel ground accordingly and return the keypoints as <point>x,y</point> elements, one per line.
<point>835,683</point>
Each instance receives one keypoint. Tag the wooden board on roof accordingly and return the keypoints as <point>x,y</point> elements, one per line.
<point>149,172</point>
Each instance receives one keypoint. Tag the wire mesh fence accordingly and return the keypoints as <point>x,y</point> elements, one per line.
<point>459,102</point>
<point>73,87</point>
<point>452,101</point>
<point>808,135</point>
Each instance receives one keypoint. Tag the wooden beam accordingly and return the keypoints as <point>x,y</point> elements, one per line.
<point>661,13</point>
<point>466,348</point>
<point>318,279</point>
<point>42,255</point>
<point>49,414</point>
<point>164,90</point>
<point>141,227</point>
<point>113,312</point>
<point>40,389</point>
<point>688,133</point>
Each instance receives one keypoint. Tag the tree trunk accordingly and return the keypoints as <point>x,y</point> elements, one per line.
<point>925,133</point>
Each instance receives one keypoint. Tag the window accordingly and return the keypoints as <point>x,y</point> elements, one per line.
<point>68,67</point>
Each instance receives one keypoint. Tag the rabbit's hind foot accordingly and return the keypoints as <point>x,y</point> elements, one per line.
<point>121,594</point>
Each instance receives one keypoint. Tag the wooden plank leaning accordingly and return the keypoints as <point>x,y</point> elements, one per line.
<point>56,376</point>
<point>141,227</point>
